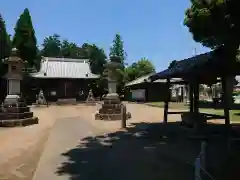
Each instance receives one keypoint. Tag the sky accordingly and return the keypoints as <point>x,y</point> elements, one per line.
<point>149,28</point>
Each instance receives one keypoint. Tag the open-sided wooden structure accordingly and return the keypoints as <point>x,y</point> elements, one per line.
<point>205,68</point>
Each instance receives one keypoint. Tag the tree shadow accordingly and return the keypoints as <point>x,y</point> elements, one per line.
<point>145,151</point>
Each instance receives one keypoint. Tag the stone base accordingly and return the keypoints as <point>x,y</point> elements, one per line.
<point>111,117</point>
<point>108,117</point>
<point>12,99</point>
<point>19,122</point>
<point>15,112</point>
<point>112,109</point>
<point>111,96</point>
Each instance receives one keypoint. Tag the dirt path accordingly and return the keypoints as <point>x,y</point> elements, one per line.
<point>21,147</point>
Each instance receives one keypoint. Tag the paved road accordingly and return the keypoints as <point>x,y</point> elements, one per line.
<point>66,134</point>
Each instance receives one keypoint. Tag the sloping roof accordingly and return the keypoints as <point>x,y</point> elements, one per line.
<point>205,65</point>
<point>64,68</point>
<point>184,66</point>
<point>145,78</point>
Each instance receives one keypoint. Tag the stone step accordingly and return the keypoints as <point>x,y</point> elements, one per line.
<point>108,117</point>
<point>19,122</point>
<point>112,101</point>
<point>109,111</point>
<point>19,104</point>
<point>7,116</point>
<point>14,109</point>
<point>67,101</point>
<point>111,106</point>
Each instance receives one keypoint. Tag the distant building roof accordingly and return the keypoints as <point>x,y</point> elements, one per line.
<point>146,78</point>
<point>65,68</point>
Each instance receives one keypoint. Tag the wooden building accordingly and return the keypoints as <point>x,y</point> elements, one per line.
<point>62,78</point>
<point>145,91</point>
<point>205,68</point>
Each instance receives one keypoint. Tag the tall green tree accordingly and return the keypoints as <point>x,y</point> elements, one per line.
<point>117,53</point>
<point>51,46</point>
<point>24,39</point>
<point>215,23</point>
<point>142,67</point>
<point>5,42</point>
<point>5,45</point>
<point>117,48</point>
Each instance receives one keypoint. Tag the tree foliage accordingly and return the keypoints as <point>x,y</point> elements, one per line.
<point>5,45</point>
<point>117,48</point>
<point>96,55</point>
<point>140,68</point>
<point>5,42</point>
<point>24,39</point>
<point>51,46</point>
<point>215,23</point>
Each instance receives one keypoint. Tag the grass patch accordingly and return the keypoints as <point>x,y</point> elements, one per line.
<point>234,114</point>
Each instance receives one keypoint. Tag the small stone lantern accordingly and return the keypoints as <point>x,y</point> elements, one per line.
<point>14,77</point>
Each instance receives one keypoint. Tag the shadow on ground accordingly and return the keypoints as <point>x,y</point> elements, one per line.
<point>146,151</point>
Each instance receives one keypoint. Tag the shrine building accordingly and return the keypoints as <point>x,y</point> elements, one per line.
<point>63,78</point>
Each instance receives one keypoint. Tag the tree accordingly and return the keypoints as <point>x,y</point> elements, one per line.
<point>172,64</point>
<point>24,39</point>
<point>140,68</point>
<point>117,53</point>
<point>97,59</point>
<point>51,46</point>
<point>96,56</point>
<point>70,50</point>
<point>117,48</point>
<point>5,46</point>
<point>215,23</point>
<point>5,42</point>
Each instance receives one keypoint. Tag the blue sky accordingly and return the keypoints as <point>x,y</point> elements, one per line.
<point>149,28</point>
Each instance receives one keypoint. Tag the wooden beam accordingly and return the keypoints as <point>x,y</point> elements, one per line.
<point>166,102</point>
<point>179,112</point>
<point>226,104</point>
<point>196,97</point>
<point>191,96</point>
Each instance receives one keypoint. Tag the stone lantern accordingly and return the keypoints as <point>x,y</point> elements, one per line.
<point>13,111</point>
<point>14,77</point>
<point>111,74</point>
<point>112,109</point>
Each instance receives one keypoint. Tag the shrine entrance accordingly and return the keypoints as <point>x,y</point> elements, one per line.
<point>69,89</point>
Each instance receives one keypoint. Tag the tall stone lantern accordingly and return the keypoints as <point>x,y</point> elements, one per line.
<point>112,108</point>
<point>13,111</point>
<point>14,77</point>
<point>111,73</point>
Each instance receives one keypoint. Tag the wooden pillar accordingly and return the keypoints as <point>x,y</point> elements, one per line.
<point>225,98</point>
<point>191,96</point>
<point>166,102</point>
<point>196,98</point>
